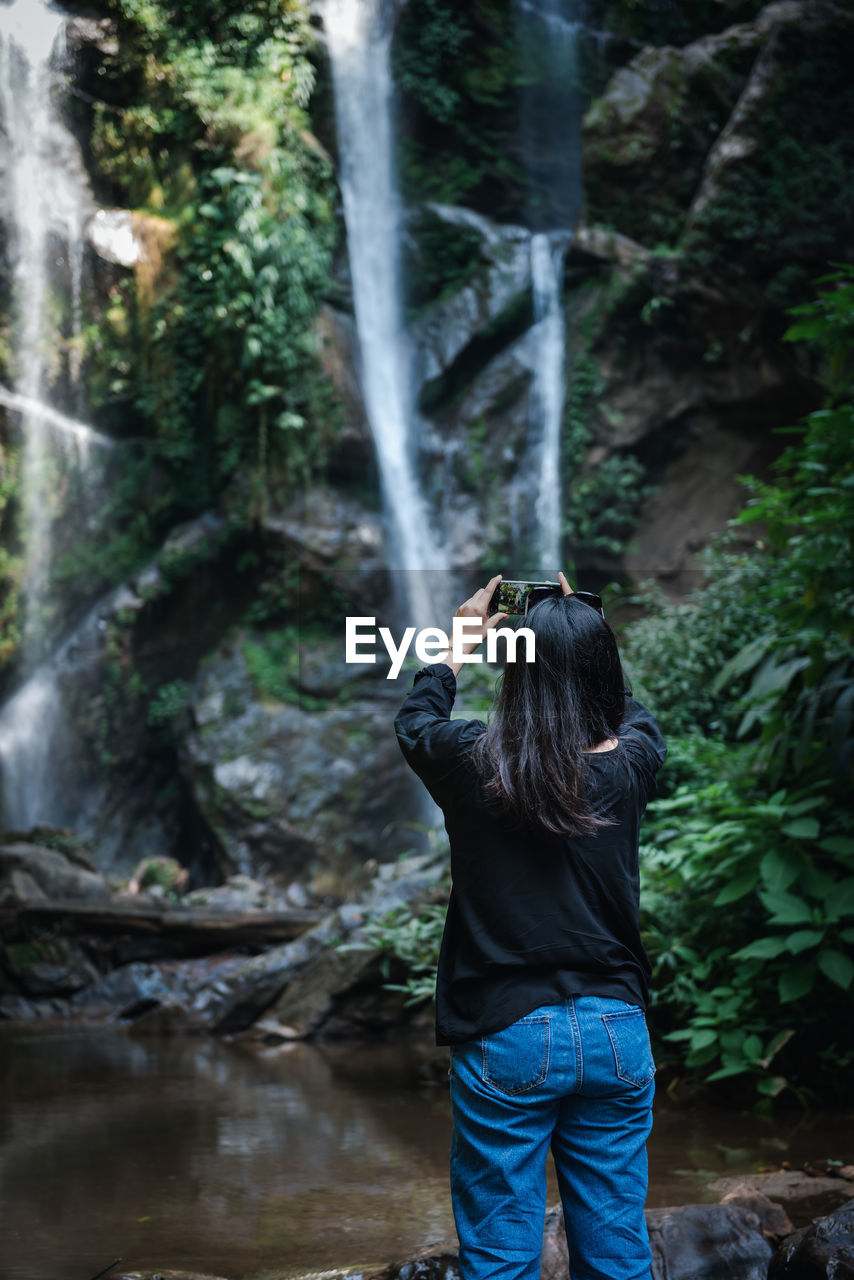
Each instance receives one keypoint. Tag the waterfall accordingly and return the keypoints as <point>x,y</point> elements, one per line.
<point>44,203</point>
<point>358,34</point>
<point>46,197</point>
<point>551,129</point>
<point>547,258</point>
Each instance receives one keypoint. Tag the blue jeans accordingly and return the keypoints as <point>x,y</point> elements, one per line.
<point>578,1077</point>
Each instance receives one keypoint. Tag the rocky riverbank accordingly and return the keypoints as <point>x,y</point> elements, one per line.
<point>77,945</point>
<point>749,1235</point>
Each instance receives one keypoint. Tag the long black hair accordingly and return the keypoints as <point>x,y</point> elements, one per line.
<point>548,713</point>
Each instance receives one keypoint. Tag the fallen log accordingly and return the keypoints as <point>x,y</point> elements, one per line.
<point>196,925</point>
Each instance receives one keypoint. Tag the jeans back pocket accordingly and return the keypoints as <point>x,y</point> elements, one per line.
<point>517,1058</point>
<point>632,1050</point>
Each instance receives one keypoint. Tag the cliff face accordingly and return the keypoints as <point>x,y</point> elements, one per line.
<point>220,351</point>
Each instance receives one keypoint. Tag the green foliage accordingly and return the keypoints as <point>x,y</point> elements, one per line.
<point>209,360</point>
<point>273,664</point>
<point>779,870</point>
<point>273,661</point>
<point>674,654</point>
<point>167,703</point>
<point>601,502</point>
<point>802,691</point>
<point>770,841</point>
<point>412,940</point>
<point>457,68</point>
<point>232,342</point>
<point>436,40</point>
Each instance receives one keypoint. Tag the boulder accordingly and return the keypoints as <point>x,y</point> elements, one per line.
<point>648,136</point>
<point>341,993</point>
<point>490,296</point>
<point>242,893</point>
<point>706,1241</point>
<point>774,1222</point>
<point>161,1273</point>
<point>239,992</point>
<point>291,792</point>
<point>48,966</point>
<point>737,140</point>
<point>822,1251</point>
<point>29,871</point>
<point>437,1262</point>
<point>332,537</point>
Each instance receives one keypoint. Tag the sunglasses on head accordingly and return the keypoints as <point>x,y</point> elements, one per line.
<point>544,593</point>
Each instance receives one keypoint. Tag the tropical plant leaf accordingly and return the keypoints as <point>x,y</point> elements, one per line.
<point>779,869</point>
<point>737,888</point>
<point>796,982</point>
<point>836,966</point>
<point>743,661</point>
<point>803,939</point>
<point>785,908</point>
<point>802,829</point>
<point>762,949</point>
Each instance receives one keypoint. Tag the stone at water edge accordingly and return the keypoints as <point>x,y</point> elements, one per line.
<point>54,874</point>
<point>823,1249</point>
<point>707,1242</point>
<point>160,1274</point>
<point>803,1197</point>
<point>774,1222</point>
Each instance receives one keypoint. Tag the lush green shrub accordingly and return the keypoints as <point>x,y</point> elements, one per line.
<point>199,124</point>
<point>748,915</point>
<point>770,839</point>
<point>674,654</point>
<point>168,702</point>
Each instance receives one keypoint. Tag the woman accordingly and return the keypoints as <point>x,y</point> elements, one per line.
<point>542,980</point>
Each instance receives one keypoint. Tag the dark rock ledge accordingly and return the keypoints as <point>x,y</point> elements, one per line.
<point>243,957</point>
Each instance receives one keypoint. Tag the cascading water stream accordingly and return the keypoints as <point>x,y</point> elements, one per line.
<point>551,126</point>
<point>358,35</point>
<point>45,203</point>
<point>548,251</point>
<point>46,196</point>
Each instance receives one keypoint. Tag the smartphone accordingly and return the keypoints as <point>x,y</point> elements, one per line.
<point>517,597</point>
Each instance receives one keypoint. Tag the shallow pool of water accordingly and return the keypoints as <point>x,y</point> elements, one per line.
<point>252,1164</point>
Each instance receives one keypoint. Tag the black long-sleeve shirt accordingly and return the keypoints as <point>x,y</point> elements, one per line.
<point>533,917</point>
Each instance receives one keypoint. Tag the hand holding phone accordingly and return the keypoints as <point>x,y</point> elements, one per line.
<point>517,597</point>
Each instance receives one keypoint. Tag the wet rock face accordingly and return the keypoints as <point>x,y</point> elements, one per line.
<point>31,871</point>
<point>648,136</point>
<point>111,776</point>
<point>825,1249</point>
<point>289,792</point>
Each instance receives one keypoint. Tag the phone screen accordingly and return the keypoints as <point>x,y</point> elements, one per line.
<point>516,598</point>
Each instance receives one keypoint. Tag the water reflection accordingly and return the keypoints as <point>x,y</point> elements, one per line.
<point>198,1154</point>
